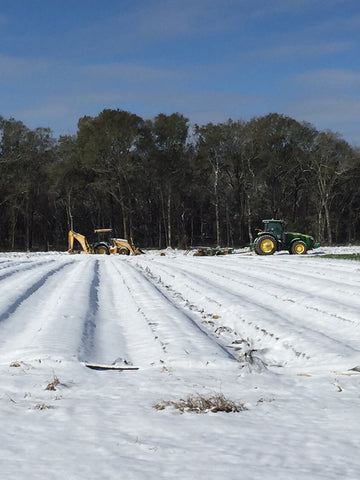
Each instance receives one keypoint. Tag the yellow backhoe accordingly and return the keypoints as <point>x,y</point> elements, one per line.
<point>102,247</point>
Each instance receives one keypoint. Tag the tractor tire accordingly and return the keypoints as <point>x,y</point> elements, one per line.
<point>124,251</point>
<point>101,250</point>
<point>298,248</point>
<point>265,245</point>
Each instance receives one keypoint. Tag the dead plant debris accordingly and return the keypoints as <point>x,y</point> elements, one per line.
<point>15,364</point>
<point>52,385</point>
<point>203,404</point>
<point>43,406</point>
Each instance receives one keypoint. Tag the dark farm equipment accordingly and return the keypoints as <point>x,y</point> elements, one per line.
<point>274,237</point>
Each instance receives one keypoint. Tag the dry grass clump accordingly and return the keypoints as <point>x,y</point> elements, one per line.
<point>202,404</point>
<point>15,364</point>
<point>52,385</point>
<point>43,406</point>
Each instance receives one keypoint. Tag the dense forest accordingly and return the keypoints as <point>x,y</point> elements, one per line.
<point>166,183</point>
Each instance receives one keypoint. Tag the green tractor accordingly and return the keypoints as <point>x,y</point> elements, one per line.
<point>274,237</point>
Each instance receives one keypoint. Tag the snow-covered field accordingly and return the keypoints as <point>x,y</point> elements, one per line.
<point>279,334</point>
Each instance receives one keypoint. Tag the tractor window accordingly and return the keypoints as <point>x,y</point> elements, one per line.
<point>275,229</point>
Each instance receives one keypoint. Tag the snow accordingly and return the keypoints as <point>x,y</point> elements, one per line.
<point>279,334</point>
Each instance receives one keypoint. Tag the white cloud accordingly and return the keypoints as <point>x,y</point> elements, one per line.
<point>327,109</point>
<point>12,67</point>
<point>338,25</point>
<point>336,113</point>
<point>304,49</point>
<point>329,78</point>
<point>132,72</point>
<point>166,19</point>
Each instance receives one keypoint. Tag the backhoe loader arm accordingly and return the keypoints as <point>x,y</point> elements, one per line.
<point>81,239</point>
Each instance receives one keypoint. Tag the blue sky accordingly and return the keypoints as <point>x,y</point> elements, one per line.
<point>208,59</point>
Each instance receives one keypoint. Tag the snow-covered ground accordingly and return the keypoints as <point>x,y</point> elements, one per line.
<point>279,334</point>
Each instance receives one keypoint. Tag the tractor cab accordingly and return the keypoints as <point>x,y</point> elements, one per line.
<point>276,228</point>
<point>103,244</point>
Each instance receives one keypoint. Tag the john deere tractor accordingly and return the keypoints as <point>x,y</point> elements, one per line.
<point>274,237</point>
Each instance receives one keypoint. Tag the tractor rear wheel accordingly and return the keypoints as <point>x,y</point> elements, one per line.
<point>298,248</point>
<point>101,250</point>
<point>265,245</point>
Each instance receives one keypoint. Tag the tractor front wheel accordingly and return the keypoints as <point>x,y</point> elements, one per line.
<point>102,250</point>
<point>298,248</point>
<point>265,245</point>
<point>124,251</point>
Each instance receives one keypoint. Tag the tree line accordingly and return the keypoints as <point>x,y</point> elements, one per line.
<point>165,183</point>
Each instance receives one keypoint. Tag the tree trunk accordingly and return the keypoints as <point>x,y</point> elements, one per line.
<point>123,211</point>
<point>228,227</point>
<point>249,222</point>
<point>169,239</point>
<point>328,225</point>
<point>164,218</point>
<point>27,225</point>
<point>217,219</point>
<point>192,230</point>
<point>13,220</point>
<point>69,212</point>
<point>201,225</point>
<point>320,233</point>
<point>160,230</point>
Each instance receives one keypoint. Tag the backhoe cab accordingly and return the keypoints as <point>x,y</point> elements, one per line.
<point>274,237</point>
<point>102,246</point>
